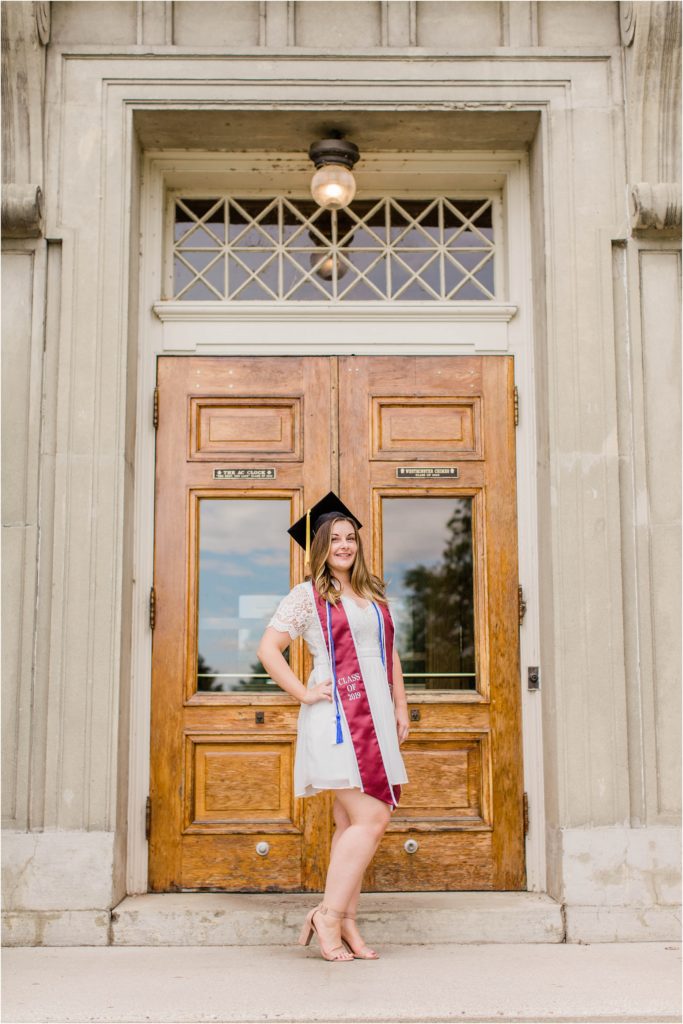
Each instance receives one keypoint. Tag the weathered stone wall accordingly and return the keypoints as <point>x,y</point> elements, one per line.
<point>605,180</point>
<point>457,25</point>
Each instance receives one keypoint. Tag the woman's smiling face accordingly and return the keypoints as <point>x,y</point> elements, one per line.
<point>343,546</point>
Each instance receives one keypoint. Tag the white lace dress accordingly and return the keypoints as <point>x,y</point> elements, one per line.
<point>320,762</point>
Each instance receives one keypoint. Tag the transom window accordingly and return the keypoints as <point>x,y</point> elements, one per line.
<point>260,249</point>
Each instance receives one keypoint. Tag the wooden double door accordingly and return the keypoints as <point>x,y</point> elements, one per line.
<point>422,449</point>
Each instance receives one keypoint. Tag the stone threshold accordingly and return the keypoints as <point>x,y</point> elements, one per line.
<point>238,919</point>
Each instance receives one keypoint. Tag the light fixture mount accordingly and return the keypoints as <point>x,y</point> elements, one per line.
<point>334,150</point>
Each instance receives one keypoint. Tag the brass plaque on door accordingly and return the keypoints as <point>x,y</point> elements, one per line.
<point>244,474</point>
<point>427,472</point>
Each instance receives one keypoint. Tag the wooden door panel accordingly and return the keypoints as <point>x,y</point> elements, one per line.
<point>238,718</point>
<point>425,428</point>
<point>269,432</point>
<point>218,861</point>
<point>446,781</point>
<point>439,864</point>
<point>238,781</point>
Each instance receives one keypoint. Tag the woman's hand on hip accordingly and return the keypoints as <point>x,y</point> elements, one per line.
<point>323,691</point>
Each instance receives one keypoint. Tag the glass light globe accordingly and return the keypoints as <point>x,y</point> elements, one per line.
<point>333,186</point>
<point>325,269</point>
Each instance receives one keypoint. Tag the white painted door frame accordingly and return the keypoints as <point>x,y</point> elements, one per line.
<point>503,327</point>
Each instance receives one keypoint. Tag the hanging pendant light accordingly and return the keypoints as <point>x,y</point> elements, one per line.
<point>333,185</point>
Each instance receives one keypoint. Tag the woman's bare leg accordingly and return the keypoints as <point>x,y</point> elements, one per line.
<point>341,822</point>
<point>353,847</point>
<point>349,927</point>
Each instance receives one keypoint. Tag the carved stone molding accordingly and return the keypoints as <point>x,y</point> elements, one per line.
<point>41,12</point>
<point>651,34</point>
<point>25,35</point>
<point>22,211</point>
<point>627,21</point>
<point>655,207</point>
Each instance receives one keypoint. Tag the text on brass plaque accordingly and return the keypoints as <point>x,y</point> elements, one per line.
<point>244,474</point>
<point>427,472</point>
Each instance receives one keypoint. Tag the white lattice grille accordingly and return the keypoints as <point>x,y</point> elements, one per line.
<point>226,248</point>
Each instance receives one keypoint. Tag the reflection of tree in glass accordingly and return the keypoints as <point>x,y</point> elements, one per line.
<point>260,680</point>
<point>439,634</point>
<point>205,680</point>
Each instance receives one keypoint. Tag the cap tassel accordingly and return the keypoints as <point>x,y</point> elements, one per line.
<point>307,558</point>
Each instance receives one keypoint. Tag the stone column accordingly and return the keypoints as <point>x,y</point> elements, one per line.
<point>25,32</point>
<point>57,852</point>
<point>622,881</point>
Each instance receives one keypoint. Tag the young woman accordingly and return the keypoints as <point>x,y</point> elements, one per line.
<point>353,716</point>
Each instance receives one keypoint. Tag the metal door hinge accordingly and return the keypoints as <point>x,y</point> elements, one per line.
<point>525,813</point>
<point>521,604</point>
<point>148,817</point>
<point>155,409</point>
<point>516,400</point>
<point>152,607</point>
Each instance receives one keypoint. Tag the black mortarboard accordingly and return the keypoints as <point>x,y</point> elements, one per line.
<point>328,507</point>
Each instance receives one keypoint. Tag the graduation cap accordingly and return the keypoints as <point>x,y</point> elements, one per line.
<point>329,507</point>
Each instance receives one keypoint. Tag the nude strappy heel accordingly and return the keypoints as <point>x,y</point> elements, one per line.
<point>369,955</point>
<point>307,934</point>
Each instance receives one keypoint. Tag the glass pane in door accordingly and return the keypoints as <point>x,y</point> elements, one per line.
<point>428,568</point>
<point>243,574</point>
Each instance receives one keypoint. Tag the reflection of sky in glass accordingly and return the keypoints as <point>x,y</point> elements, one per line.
<point>427,545</point>
<point>243,574</point>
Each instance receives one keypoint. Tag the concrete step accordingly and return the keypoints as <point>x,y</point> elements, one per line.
<point>236,919</point>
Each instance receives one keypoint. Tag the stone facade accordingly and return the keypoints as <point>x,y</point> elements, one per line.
<point>93,93</point>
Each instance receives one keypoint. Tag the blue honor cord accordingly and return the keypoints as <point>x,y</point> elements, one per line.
<point>340,735</point>
<point>380,623</point>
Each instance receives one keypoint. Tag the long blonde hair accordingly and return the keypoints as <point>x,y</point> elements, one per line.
<point>363,581</point>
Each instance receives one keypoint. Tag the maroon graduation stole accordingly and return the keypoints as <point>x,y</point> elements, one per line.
<point>350,694</point>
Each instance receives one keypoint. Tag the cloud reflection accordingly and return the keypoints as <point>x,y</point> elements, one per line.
<point>234,526</point>
<point>243,573</point>
<point>414,530</point>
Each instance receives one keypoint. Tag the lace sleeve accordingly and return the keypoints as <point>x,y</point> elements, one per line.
<point>295,612</point>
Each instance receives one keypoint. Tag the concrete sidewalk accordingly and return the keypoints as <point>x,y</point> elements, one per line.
<point>628,982</point>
